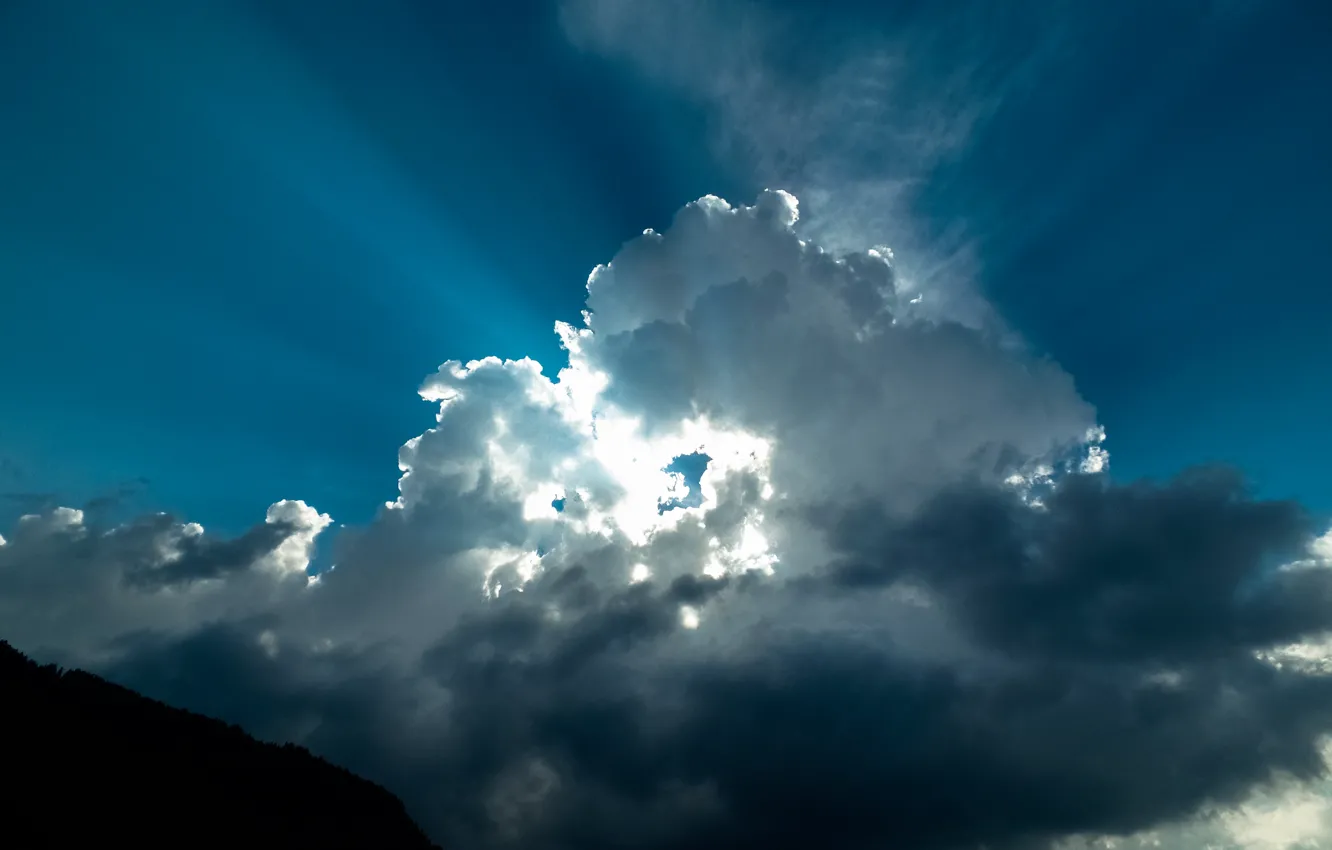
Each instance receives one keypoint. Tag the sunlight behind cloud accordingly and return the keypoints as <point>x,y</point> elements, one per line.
<point>762,488</point>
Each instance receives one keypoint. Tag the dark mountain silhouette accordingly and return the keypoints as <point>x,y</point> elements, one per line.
<point>85,763</point>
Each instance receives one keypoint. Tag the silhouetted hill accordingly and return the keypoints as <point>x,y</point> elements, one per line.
<point>86,763</point>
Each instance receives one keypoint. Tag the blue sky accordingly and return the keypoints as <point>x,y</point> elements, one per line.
<point>1158,222</point>
<point>235,237</point>
<point>231,254</point>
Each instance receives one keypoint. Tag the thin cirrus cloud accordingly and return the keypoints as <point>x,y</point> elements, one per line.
<point>908,605</point>
<point>854,120</point>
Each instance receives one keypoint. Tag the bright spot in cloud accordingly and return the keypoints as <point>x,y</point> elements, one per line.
<point>689,616</point>
<point>1295,821</point>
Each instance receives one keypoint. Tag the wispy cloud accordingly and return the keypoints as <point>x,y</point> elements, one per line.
<point>855,121</point>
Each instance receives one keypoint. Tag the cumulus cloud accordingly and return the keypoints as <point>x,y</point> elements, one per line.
<point>70,586</point>
<point>903,603</point>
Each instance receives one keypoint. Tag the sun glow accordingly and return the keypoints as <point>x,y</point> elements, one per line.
<point>614,478</point>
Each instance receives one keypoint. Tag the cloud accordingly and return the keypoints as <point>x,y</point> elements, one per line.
<point>1299,819</point>
<point>732,318</point>
<point>1138,574</point>
<point>68,586</point>
<point>903,602</point>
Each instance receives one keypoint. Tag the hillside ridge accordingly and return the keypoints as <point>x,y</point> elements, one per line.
<point>86,762</point>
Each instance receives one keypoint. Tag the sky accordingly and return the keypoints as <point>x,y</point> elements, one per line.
<point>255,227</point>
<point>907,418</point>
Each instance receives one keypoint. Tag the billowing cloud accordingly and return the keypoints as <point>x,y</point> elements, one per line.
<point>70,586</point>
<point>902,603</point>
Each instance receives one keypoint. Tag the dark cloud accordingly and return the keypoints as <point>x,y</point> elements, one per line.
<point>1138,574</point>
<point>348,705</point>
<point>1125,691</point>
<point>831,745</point>
<point>205,557</point>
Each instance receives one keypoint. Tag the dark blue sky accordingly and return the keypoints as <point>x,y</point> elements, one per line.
<point>234,237</point>
<point>1158,220</point>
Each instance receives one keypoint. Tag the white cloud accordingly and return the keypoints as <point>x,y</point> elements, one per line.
<point>478,607</point>
<point>71,589</point>
<point>292,555</point>
<point>1321,549</point>
<point>731,316</point>
<point>1297,820</point>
